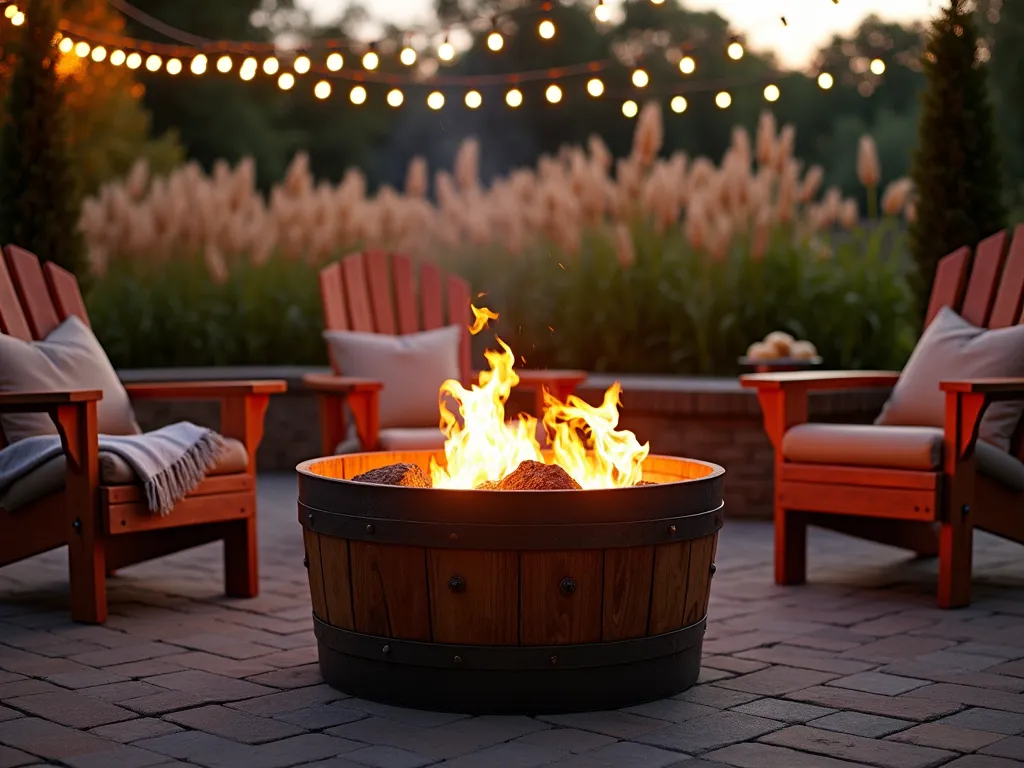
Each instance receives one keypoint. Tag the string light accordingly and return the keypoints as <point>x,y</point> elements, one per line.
<point>629,108</point>
<point>735,50</point>
<point>825,81</point>
<point>445,51</point>
<point>687,65</point>
<point>66,45</point>
<point>640,78</point>
<point>271,65</point>
<point>224,64</point>
<point>495,41</point>
<point>514,98</point>
<point>407,57</point>
<point>117,58</point>
<point>395,98</point>
<point>723,100</point>
<point>595,87</point>
<point>99,53</point>
<point>134,61</point>
<point>601,12</point>
<point>771,92</point>
<point>322,90</point>
<point>301,65</point>
<point>18,19</point>
<point>335,62</point>
<point>546,29</point>
<point>678,104</point>
<point>435,100</point>
<point>198,65</point>
<point>877,66</point>
<point>248,69</point>
<point>153,62</point>
<point>173,66</point>
<point>473,99</point>
<point>553,94</point>
<point>657,2</point>
<point>10,11</point>
<point>370,60</point>
<point>82,49</point>
<point>286,81</point>
<point>357,95</point>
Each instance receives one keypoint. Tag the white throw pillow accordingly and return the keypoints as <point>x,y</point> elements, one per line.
<point>69,358</point>
<point>949,349</point>
<point>412,368</point>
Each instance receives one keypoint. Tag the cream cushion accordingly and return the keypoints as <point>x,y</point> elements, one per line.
<point>915,448</point>
<point>952,348</point>
<point>69,358</point>
<point>114,470</point>
<point>412,368</point>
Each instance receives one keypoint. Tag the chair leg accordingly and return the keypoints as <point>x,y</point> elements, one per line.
<point>241,565</point>
<point>87,569</point>
<point>956,541</point>
<point>790,546</point>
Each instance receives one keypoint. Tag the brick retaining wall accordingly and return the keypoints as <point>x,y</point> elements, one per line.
<point>712,419</point>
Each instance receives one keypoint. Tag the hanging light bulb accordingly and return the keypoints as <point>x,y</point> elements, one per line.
<point>153,62</point>
<point>473,99</point>
<point>10,11</point>
<point>435,100</point>
<point>224,64</point>
<point>553,94</point>
<point>335,62</point>
<point>723,99</point>
<point>514,98</point>
<point>370,59</point>
<point>301,64</point>
<point>82,49</point>
<point>771,92</point>
<point>198,65</point>
<point>322,90</point>
<point>18,19</point>
<point>629,108</point>
<point>735,50</point>
<point>678,104</point>
<point>173,66</point>
<point>248,69</point>
<point>446,51</point>
<point>271,65</point>
<point>99,53</point>
<point>357,95</point>
<point>395,98</point>
<point>495,41</point>
<point>825,81</point>
<point>687,65</point>
<point>286,81</point>
<point>601,12</point>
<point>407,56</point>
<point>546,29</point>
<point>66,45</point>
<point>877,66</point>
<point>640,78</point>
<point>116,58</point>
<point>134,61</point>
<point>595,87</point>
<point>657,2</point>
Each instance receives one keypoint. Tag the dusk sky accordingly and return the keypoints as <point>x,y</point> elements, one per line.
<point>810,22</point>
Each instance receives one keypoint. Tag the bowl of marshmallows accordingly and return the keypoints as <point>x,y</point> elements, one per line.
<point>779,351</point>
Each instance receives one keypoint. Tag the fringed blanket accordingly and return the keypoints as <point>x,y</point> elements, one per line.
<point>170,461</point>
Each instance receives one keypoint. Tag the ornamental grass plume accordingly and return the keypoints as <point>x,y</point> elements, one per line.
<point>896,196</point>
<point>649,135</point>
<point>869,171</point>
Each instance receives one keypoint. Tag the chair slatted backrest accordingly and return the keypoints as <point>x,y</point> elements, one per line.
<point>987,292</point>
<point>35,299</point>
<point>374,292</point>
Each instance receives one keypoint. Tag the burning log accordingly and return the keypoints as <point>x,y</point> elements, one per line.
<point>535,476</point>
<point>409,475</point>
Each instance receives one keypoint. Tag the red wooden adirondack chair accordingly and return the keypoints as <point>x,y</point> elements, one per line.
<point>900,506</point>
<point>107,527</point>
<point>375,292</point>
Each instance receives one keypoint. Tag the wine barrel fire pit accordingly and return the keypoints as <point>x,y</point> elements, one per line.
<point>509,601</point>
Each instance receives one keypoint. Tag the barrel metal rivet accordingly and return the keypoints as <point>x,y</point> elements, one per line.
<point>386,649</point>
<point>672,529</point>
<point>554,660</point>
<point>456,584</point>
<point>369,529</point>
<point>567,586</point>
<point>77,525</point>
<point>453,536</point>
<point>458,660</point>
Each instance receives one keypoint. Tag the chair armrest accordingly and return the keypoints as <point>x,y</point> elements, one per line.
<point>362,398</point>
<point>996,389</point>
<point>42,402</point>
<point>966,403</point>
<point>810,381</point>
<point>204,390</point>
<point>73,413</point>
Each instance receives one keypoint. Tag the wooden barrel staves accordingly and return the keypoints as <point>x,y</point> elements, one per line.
<point>509,601</point>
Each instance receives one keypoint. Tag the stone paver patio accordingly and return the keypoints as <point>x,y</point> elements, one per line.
<point>858,668</point>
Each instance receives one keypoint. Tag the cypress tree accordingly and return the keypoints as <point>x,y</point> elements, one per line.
<point>956,165</point>
<point>39,196</point>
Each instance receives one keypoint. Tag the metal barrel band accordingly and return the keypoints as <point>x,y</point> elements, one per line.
<point>507,658</point>
<point>580,535</point>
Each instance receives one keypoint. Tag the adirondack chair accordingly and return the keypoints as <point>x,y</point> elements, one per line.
<point>107,527</point>
<point>930,510</point>
<point>375,292</point>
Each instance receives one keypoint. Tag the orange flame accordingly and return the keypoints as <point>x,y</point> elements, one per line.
<point>486,448</point>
